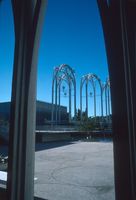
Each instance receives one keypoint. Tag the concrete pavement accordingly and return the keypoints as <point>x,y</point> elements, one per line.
<point>74,171</point>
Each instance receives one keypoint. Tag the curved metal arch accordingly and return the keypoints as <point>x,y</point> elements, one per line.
<point>67,67</point>
<point>101,90</point>
<point>107,98</point>
<point>90,78</point>
<point>70,77</point>
<point>94,91</point>
<point>63,68</point>
<point>69,83</point>
<point>84,80</point>
<point>98,79</point>
<point>56,87</point>
<point>60,81</point>
<point>56,84</point>
<point>61,73</point>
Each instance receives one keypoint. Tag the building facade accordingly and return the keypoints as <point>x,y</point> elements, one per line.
<point>43,113</point>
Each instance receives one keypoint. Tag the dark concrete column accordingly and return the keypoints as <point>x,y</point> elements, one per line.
<point>28,17</point>
<point>118,20</point>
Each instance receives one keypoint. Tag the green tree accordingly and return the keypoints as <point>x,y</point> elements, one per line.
<point>78,115</point>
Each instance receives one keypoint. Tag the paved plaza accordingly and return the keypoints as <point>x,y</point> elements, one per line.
<point>74,171</point>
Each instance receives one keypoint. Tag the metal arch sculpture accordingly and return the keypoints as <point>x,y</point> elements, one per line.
<point>62,73</point>
<point>107,98</point>
<point>85,80</point>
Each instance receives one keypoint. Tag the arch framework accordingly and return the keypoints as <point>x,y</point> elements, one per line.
<point>86,79</point>
<point>107,101</point>
<point>62,73</point>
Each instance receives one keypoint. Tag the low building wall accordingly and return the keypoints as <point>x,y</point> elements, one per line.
<point>50,136</point>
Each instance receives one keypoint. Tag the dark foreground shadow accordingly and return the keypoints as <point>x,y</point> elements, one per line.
<point>38,198</point>
<point>50,145</point>
<point>3,194</point>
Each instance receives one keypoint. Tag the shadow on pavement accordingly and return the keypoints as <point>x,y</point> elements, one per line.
<point>38,198</point>
<point>50,145</point>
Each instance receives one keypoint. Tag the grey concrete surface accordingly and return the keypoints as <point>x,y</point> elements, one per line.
<point>75,171</point>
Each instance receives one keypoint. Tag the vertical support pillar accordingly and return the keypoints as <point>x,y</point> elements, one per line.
<point>69,101</point>
<point>95,102</point>
<point>94,91</point>
<point>101,102</point>
<point>118,20</point>
<point>86,87</point>
<point>59,110</point>
<point>75,99</point>
<point>108,99</point>
<point>56,101</point>
<point>106,103</point>
<point>28,17</point>
<point>52,105</point>
<point>81,85</point>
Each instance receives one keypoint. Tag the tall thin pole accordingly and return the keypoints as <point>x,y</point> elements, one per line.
<point>87,98</point>
<point>81,99</point>
<point>106,99</point>
<point>94,91</point>
<point>108,103</point>
<point>56,97</point>
<point>59,102</point>
<point>52,106</point>
<point>75,99</point>
<point>101,100</point>
<point>69,101</point>
<point>94,102</point>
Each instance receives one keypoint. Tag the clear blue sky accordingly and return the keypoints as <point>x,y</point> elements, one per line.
<point>72,34</point>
